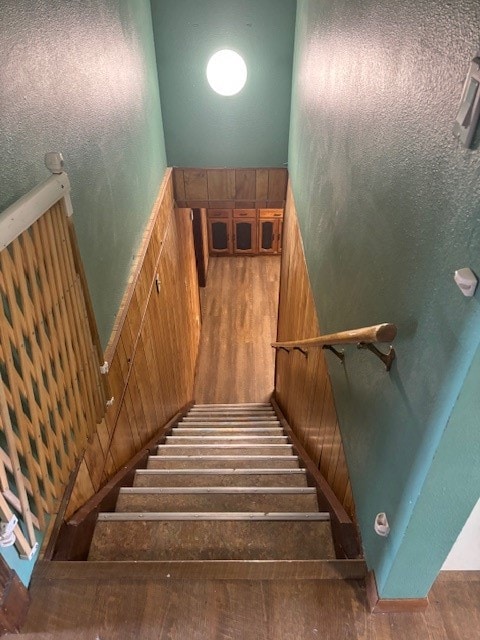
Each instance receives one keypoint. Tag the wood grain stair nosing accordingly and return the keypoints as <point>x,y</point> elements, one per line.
<point>198,516</point>
<point>246,430</point>
<point>213,458</point>
<point>232,438</point>
<point>232,471</point>
<point>215,490</point>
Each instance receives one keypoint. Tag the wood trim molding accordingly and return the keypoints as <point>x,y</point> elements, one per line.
<point>345,534</point>
<point>390,605</point>
<point>14,600</point>
<point>74,536</point>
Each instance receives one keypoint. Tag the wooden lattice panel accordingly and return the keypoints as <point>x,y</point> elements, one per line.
<point>52,390</point>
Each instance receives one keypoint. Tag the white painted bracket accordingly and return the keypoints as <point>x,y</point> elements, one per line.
<point>104,368</point>
<point>110,402</point>
<point>32,553</point>
<point>7,532</point>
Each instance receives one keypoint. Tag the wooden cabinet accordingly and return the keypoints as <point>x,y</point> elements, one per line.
<point>245,231</point>
<point>220,235</point>
<point>269,236</point>
<point>245,236</point>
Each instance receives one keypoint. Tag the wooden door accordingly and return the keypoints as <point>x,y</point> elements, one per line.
<point>220,236</point>
<point>245,235</point>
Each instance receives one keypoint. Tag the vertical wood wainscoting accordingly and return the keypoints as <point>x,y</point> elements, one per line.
<point>153,348</point>
<point>302,385</point>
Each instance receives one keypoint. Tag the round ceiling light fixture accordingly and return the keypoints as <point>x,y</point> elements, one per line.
<point>226,72</point>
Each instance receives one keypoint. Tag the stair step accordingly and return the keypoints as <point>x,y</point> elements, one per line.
<point>238,405</point>
<point>226,439</point>
<point>222,462</point>
<point>220,478</point>
<point>198,431</point>
<point>143,499</point>
<point>225,449</point>
<point>210,539</point>
<point>229,424</point>
<point>234,419</point>
<point>115,571</point>
<point>235,414</point>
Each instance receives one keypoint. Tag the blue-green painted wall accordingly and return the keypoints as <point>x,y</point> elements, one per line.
<point>80,77</point>
<point>389,207</point>
<point>207,130</point>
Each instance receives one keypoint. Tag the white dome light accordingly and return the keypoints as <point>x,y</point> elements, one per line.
<point>226,72</point>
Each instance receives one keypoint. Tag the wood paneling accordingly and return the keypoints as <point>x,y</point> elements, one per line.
<point>153,348</point>
<point>303,389</point>
<point>230,188</point>
<point>221,184</point>
<point>196,185</point>
<point>245,184</point>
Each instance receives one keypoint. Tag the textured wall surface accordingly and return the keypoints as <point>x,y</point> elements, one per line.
<point>202,128</point>
<point>389,207</point>
<point>81,78</point>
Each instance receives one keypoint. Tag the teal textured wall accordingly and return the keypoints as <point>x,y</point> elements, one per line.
<point>207,130</point>
<point>81,78</point>
<point>389,207</point>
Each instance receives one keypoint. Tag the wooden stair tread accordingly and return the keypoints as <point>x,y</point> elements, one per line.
<point>220,477</point>
<point>221,462</point>
<point>223,498</point>
<point>217,499</point>
<point>211,540</point>
<point>225,449</point>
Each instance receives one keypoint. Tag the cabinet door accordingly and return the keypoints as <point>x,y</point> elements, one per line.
<point>245,236</point>
<point>220,236</point>
<point>269,232</point>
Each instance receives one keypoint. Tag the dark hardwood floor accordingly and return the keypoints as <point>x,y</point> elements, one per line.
<point>239,322</point>
<point>240,610</point>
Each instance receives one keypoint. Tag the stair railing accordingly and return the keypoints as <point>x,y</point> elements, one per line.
<point>364,338</point>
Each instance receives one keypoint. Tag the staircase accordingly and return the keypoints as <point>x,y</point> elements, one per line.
<point>225,496</point>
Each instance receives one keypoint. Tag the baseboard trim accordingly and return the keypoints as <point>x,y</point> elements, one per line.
<point>390,605</point>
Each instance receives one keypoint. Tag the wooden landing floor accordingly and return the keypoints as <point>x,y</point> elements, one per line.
<point>220,610</point>
<point>239,322</point>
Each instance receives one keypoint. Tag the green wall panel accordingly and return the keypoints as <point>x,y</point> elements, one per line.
<point>207,130</point>
<point>81,78</point>
<point>388,207</point>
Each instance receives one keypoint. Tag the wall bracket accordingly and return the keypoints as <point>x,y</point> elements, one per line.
<point>302,351</point>
<point>386,358</point>
<point>340,355</point>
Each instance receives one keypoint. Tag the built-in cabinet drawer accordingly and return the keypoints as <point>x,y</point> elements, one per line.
<point>244,213</point>
<point>270,213</point>
<point>245,231</point>
<point>219,213</point>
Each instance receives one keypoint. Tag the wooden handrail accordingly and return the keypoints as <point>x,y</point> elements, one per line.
<point>385,332</point>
